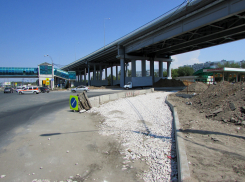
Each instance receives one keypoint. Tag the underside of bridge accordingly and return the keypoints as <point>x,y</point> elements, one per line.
<point>223,31</point>
<point>196,25</point>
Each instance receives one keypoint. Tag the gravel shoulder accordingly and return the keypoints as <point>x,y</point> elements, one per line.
<point>215,149</point>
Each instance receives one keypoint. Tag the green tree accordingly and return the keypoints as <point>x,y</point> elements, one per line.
<point>185,71</point>
<point>109,79</point>
<point>229,65</point>
<point>174,73</point>
<point>156,74</point>
<point>165,74</point>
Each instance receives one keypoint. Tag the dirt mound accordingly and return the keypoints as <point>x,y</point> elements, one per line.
<point>168,83</point>
<point>196,87</point>
<point>224,102</point>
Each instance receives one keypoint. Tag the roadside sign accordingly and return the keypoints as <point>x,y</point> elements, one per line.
<point>47,79</point>
<point>47,82</point>
<point>73,102</point>
<point>52,79</point>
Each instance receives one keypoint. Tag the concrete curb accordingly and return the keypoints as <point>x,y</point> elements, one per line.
<point>97,101</point>
<point>183,168</point>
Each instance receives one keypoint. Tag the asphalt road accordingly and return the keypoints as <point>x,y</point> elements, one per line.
<point>21,110</point>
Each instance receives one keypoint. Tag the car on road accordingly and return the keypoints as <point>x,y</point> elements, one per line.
<point>8,90</point>
<point>80,88</point>
<point>30,90</point>
<point>44,89</point>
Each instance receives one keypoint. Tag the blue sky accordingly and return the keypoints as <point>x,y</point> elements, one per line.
<point>69,30</point>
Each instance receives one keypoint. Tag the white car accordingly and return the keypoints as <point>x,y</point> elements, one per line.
<point>80,88</point>
<point>30,90</point>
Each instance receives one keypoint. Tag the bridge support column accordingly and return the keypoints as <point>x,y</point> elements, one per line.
<point>169,70</point>
<point>122,76</point>
<point>85,74</point>
<point>116,73</point>
<point>94,73</point>
<point>133,67</point>
<point>89,75</point>
<point>160,69</point>
<point>151,68</point>
<point>111,75</point>
<point>100,73</point>
<point>143,68</point>
<point>106,73</point>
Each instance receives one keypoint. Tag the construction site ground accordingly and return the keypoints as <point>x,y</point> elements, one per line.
<point>212,118</point>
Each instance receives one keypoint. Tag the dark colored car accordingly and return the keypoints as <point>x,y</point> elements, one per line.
<point>44,89</point>
<point>8,90</point>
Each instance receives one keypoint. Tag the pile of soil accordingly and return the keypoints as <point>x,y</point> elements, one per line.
<point>168,83</point>
<point>223,102</point>
<point>213,125</point>
<point>196,87</point>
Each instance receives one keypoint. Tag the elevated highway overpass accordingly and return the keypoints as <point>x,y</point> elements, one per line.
<point>193,25</point>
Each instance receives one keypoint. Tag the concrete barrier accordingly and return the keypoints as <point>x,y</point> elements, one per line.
<point>129,94</point>
<point>95,101</point>
<point>183,168</point>
<point>104,99</point>
<point>113,97</point>
<point>121,95</point>
<point>136,92</point>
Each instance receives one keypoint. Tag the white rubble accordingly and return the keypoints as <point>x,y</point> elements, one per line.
<point>143,125</point>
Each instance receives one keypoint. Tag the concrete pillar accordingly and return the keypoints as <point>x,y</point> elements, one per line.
<point>89,75</point>
<point>169,70</point>
<point>160,69</point>
<point>116,73</point>
<point>236,77</point>
<point>126,69</point>
<point>100,73</point>
<point>143,68</point>
<point>105,73</point>
<point>85,75</point>
<point>94,73</point>
<point>152,68</point>
<point>122,76</point>
<point>111,75</point>
<point>133,67</point>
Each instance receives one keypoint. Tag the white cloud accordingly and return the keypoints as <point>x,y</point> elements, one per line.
<point>186,58</point>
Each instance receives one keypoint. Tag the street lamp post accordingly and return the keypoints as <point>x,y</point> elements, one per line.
<point>52,70</point>
<point>104,29</point>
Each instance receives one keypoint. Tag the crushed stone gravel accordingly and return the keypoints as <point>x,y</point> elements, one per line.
<point>144,127</point>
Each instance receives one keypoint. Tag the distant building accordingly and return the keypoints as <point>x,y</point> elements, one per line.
<point>213,64</point>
